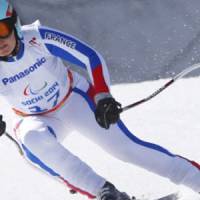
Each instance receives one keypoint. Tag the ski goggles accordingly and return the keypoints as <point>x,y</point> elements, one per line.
<point>6,28</point>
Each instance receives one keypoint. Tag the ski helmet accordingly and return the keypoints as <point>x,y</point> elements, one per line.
<point>9,16</point>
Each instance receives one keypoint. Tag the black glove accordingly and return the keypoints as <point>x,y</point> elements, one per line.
<point>2,126</point>
<point>107,112</point>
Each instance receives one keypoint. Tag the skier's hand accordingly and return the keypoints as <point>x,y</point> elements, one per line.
<point>107,112</point>
<point>2,126</point>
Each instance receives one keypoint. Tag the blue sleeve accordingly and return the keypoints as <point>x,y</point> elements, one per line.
<point>73,50</point>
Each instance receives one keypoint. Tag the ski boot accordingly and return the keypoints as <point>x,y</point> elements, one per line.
<point>109,192</point>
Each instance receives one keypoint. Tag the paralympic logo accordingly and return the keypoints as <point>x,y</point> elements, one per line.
<point>29,91</point>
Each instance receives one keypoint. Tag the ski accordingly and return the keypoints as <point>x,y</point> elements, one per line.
<point>172,196</point>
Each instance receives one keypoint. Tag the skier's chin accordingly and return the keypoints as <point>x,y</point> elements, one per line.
<point>5,51</point>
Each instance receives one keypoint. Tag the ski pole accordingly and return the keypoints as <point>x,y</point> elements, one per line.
<point>15,142</point>
<point>166,85</point>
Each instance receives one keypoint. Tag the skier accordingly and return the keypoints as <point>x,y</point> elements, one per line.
<point>50,101</point>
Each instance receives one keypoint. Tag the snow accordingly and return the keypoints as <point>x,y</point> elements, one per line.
<point>143,43</point>
<point>170,119</point>
<point>141,39</point>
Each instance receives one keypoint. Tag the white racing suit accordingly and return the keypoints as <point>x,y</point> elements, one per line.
<point>53,101</point>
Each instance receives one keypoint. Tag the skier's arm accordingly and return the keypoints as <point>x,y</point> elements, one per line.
<point>74,51</point>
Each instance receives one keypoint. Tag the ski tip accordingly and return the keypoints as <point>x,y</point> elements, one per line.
<point>172,196</point>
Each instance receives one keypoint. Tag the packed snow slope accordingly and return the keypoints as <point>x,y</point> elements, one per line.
<point>143,42</point>
<point>170,120</point>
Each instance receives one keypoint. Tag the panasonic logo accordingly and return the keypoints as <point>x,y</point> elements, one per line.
<point>24,73</point>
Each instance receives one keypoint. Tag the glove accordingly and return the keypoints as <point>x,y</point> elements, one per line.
<point>107,112</point>
<point>2,126</point>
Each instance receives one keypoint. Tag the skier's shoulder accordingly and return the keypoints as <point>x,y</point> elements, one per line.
<point>31,32</point>
<point>41,32</point>
<point>35,29</point>
<point>29,29</point>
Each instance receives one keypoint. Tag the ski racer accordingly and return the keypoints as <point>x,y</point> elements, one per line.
<point>50,101</point>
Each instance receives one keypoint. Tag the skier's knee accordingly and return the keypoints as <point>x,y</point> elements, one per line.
<point>38,141</point>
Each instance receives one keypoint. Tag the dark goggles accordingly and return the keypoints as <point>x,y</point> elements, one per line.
<point>6,28</point>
